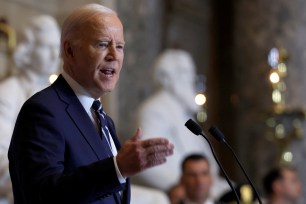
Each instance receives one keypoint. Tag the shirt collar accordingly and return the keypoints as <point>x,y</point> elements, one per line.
<point>83,95</point>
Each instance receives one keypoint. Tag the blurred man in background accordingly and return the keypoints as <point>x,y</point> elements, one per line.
<point>196,182</point>
<point>282,186</point>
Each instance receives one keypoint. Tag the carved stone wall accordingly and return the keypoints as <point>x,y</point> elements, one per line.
<point>259,26</point>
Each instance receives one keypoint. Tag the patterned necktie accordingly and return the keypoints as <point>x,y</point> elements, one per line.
<point>102,120</point>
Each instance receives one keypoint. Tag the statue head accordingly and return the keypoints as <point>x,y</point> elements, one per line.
<point>174,71</point>
<point>38,49</point>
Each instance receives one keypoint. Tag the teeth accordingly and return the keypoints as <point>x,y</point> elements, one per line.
<point>108,71</point>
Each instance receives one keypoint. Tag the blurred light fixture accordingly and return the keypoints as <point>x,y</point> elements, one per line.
<point>202,116</point>
<point>200,99</point>
<point>276,96</point>
<point>52,78</point>
<point>274,77</point>
<point>287,156</point>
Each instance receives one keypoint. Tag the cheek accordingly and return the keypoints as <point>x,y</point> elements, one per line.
<point>86,55</point>
<point>90,60</point>
<point>38,54</point>
<point>39,60</point>
<point>191,183</point>
<point>119,71</point>
<point>122,58</point>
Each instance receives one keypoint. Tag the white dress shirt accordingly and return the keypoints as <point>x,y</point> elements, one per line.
<point>86,101</point>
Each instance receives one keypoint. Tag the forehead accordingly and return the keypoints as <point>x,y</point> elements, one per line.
<point>288,173</point>
<point>104,24</point>
<point>48,36</point>
<point>196,164</point>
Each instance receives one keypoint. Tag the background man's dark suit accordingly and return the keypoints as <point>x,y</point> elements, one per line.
<point>51,127</point>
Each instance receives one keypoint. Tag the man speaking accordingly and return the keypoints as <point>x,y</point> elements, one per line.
<point>64,148</point>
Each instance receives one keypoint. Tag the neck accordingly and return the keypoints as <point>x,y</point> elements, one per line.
<point>197,200</point>
<point>278,200</point>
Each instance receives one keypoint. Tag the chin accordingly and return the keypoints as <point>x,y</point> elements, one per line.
<point>108,89</point>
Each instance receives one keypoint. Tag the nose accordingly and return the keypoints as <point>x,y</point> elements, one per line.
<point>112,53</point>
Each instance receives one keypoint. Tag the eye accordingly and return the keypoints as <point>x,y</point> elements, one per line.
<point>103,44</point>
<point>120,47</point>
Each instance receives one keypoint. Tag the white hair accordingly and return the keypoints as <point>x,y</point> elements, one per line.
<point>78,17</point>
<point>172,62</point>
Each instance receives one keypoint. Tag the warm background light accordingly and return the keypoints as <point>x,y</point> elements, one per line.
<point>276,96</point>
<point>200,99</point>
<point>52,78</point>
<point>287,156</point>
<point>202,116</point>
<point>282,68</point>
<point>274,77</point>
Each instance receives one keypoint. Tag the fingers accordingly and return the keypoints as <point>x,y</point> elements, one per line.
<point>154,141</point>
<point>156,150</point>
<point>155,162</point>
<point>159,150</point>
<point>143,153</point>
<point>137,135</point>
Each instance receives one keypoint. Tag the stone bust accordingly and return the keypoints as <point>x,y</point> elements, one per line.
<point>165,113</point>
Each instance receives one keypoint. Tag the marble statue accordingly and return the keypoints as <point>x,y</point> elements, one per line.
<point>36,57</point>
<point>166,112</point>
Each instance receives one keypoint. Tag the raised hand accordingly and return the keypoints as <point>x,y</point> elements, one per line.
<point>137,155</point>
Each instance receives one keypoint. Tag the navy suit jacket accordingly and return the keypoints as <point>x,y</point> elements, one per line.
<point>57,156</point>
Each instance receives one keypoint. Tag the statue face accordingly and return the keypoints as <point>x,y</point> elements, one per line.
<point>45,51</point>
<point>182,83</point>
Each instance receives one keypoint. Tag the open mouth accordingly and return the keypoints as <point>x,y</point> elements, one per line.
<point>108,72</point>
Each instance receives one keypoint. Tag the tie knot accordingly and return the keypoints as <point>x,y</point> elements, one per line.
<point>97,106</point>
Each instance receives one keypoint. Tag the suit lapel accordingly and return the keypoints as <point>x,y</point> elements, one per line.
<point>79,116</point>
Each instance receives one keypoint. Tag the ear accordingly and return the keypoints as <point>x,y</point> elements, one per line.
<point>68,50</point>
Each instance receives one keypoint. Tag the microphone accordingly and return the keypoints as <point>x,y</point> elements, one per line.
<point>197,130</point>
<point>218,135</point>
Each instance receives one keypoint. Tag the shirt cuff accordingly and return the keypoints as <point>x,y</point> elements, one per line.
<point>120,177</point>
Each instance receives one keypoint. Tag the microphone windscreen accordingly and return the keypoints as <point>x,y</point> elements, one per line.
<point>193,127</point>
<point>218,135</point>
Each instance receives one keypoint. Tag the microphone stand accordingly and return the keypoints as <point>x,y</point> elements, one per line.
<point>220,137</point>
<point>196,129</point>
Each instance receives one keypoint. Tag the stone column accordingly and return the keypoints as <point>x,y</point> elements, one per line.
<point>258,26</point>
<point>143,23</point>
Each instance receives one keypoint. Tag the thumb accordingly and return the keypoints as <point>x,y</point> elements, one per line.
<point>137,136</point>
